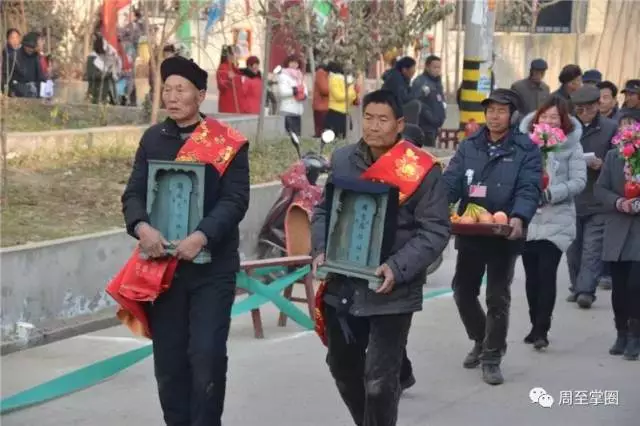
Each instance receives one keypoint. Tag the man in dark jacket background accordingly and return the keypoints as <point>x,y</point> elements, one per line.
<point>585,253</point>
<point>367,330</point>
<point>608,103</point>
<point>501,170</point>
<point>631,94</point>
<point>397,79</point>
<point>532,90</point>
<point>570,80</point>
<point>427,89</point>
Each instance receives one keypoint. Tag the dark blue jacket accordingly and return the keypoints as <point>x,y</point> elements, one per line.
<point>430,92</point>
<point>395,82</point>
<point>513,178</point>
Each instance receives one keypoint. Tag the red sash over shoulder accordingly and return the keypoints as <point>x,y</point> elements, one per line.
<point>140,281</point>
<point>403,166</point>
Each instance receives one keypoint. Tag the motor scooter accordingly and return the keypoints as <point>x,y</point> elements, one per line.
<point>291,213</point>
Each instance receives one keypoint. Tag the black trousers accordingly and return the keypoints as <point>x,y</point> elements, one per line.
<point>541,259</point>
<point>367,368</point>
<point>490,328</point>
<point>293,123</point>
<point>337,122</point>
<point>190,326</point>
<point>625,293</point>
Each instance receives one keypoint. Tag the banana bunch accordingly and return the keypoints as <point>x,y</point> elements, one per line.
<point>475,211</point>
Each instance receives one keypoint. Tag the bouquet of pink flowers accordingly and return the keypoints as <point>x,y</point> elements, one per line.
<point>549,139</point>
<point>628,142</point>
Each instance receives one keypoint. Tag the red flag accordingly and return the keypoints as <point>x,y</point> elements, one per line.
<point>109,28</point>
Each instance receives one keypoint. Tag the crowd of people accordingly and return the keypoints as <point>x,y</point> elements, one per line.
<point>564,166</point>
<point>25,64</point>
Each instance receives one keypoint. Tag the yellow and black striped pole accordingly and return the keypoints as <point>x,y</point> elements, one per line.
<point>477,62</point>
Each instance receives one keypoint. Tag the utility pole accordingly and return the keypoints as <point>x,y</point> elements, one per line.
<point>477,63</point>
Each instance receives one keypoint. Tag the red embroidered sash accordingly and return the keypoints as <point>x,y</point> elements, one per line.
<point>403,166</point>
<point>140,280</point>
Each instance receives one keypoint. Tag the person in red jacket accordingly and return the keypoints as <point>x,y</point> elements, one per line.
<point>251,86</point>
<point>229,83</point>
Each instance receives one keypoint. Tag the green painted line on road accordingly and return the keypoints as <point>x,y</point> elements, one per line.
<point>100,371</point>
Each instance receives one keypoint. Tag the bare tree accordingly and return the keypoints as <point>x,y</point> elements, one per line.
<point>158,36</point>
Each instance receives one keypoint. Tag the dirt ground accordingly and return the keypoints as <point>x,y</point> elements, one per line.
<point>58,195</point>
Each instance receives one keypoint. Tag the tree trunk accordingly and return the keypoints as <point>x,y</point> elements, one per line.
<point>265,78</point>
<point>3,135</point>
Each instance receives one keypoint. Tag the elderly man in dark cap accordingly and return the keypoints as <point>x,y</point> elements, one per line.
<point>532,90</point>
<point>499,169</point>
<point>189,321</point>
<point>24,81</point>
<point>585,253</point>
<point>631,94</point>
<point>570,80</point>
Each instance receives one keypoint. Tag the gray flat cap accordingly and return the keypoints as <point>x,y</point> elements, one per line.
<point>587,94</point>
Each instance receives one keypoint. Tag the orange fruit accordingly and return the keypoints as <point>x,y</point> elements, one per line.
<point>485,218</point>
<point>467,220</point>
<point>500,218</point>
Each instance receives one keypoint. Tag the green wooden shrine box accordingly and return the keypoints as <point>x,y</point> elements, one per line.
<point>361,223</point>
<point>175,200</point>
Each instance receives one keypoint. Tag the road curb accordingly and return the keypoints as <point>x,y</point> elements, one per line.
<point>63,329</point>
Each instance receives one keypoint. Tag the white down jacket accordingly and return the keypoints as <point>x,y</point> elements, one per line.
<point>567,170</point>
<point>288,103</point>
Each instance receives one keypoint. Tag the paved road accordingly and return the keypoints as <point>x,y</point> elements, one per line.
<point>283,380</point>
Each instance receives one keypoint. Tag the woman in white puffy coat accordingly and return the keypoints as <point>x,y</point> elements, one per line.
<point>553,228</point>
<point>293,92</point>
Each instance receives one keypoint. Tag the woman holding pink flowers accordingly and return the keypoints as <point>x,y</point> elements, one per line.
<point>553,228</point>
<point>618,187</point>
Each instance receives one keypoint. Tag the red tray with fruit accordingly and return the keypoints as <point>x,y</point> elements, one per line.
<point>477,221</point>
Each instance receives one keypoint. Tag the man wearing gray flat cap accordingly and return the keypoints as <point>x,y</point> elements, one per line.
<point>585,253</point>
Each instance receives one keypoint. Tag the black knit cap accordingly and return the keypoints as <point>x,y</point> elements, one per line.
<point>178,65</point>
<point>31,39</point>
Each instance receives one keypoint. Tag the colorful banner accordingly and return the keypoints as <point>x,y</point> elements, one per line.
<point>216,13</point>
<point>184,31</point>
<point>322,11</point>
<point>109,28</point>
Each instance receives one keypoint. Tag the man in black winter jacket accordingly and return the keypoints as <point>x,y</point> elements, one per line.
<point>501,170</point>
<point>427,88</point>
<point>190,321</point>
<point>397,79</point>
